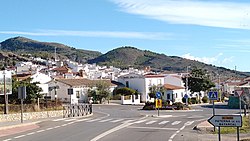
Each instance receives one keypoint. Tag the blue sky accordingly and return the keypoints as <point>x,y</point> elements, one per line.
<point>211,31</point>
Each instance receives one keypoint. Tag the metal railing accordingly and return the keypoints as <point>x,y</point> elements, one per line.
<point>77,110</point>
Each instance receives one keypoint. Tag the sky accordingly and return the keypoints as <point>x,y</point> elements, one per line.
<point>211,31</point>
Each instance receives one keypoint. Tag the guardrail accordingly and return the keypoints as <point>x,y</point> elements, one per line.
<point>77,110</point>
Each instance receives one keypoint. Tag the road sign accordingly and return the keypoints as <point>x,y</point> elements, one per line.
<point>226,120</point>
<point>158,95</point>
<point>239,92</point>
<point>158,103</point>
<point>213,95</point>
<point>185,96</point>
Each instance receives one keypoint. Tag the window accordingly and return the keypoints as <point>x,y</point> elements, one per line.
<point>176,95</point>
<point>127,84</point>
<point>182,94</point>
<point>159,81</point>
<point>77,94</point>
<point>162,93</point>
<point>168,96</point>
<point>150,82</point>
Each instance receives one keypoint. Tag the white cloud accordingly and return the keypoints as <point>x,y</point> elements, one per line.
<point>208,60</point>
<point>196,12</point>
<point>105,34</point>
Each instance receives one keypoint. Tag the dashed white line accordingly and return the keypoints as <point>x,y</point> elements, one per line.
<point>19,136</point>
<point>151,122</point>
<point>30,133</point>
<point>7,140</point>
<point>40,131</point>
<point>163,122</point>
<point>176,122</point>
<point>105,120</point>
<point>140,121</point>
<point>49,128</point>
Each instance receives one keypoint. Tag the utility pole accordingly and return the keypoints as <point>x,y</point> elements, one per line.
<point>5,95</point>
<point>187,86</point>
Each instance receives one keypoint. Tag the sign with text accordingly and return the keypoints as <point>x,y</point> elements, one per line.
<point>226,120</point>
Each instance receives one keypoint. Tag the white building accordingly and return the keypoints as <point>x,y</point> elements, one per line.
<point>142,83</point>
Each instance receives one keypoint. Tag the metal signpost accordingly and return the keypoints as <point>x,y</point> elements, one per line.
<point>158,102</point>
<point>70,92</point>
<point>239,92</point>
<point>22,96</point>
<point>186,98</point>
<point>213,95</point>
<point>226,121</point>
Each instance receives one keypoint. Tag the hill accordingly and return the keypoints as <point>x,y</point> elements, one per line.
<point>16,49</point>
<point>125,57</point>
<point>22,45</point>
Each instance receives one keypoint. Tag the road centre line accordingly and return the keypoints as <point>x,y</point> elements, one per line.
<point>7,140</point>
<point>19,136</point>
<point>183,127</point>
<point>155,128</point>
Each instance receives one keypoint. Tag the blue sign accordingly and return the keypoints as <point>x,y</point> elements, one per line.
<point>158,95</point>
<point>185,96</point>
<point>213,95</point>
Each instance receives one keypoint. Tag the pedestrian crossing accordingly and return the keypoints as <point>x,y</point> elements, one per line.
<point>134,121</point>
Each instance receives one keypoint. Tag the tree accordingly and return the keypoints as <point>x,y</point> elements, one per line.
<point>32,91</point>
<point>100,92</point>
<point>125,91</point>
<point>198,81</point>
<point>155,88</point>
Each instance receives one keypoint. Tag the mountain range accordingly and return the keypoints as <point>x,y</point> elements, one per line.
<point>20,48</point>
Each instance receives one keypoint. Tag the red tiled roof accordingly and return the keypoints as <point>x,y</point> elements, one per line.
<point>83,82</point>
<point>172,87</point>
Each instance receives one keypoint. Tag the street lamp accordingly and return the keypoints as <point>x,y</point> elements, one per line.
<point>5,95</point>
<point>187,86</point>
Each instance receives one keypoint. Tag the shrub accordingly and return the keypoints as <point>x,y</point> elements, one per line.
<point>149,106</point>
<point>205,99</point>
<point>184,100</point>
<point>194,100</point>
<point>179,105</point>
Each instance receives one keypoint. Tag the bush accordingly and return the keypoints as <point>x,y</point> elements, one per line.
<point>149,106</point>
<point>205,99</point>
<point>179,105</point>
<point>116,97</point>
<point>194,100</point>
<point>184,100</point>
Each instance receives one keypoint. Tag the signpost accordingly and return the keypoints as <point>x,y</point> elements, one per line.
<point>186,98</point>
<point>226,121</point>
<point>22,96</point>
<point>158,101</point>
<point>213,95</point>
<point>239,92</point>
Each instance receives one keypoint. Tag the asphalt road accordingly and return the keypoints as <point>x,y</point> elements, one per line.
<point>122,123</point>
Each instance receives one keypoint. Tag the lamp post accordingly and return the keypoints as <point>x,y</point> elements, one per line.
<point>5,95</point>
<point>187,86</point>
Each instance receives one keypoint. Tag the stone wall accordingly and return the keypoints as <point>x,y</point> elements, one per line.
<point>31,115</point>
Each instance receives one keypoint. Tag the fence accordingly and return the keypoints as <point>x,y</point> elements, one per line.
<point>77,110</point>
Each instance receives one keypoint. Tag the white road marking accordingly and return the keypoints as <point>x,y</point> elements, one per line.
<point>196,117</point>
<point>127,121</point>
<point>57,127</point>
<point>93,120</point>
<point>30,133</point>
<point>140,121</point>
<point>176,122</point>
<point>40,131</point>
<point>117,120</point>
<point>111,131</point>
<point>151,122</point>
<point>49,128</point>
<point>72,119</point>
<point>105,120</point>
<point>59,119</point>
<point>83,119</point>
<point>156,128</point>
<point>19,136</point>
<point>163,122</point>
<point>189,123</point>
<point>7,140</point>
